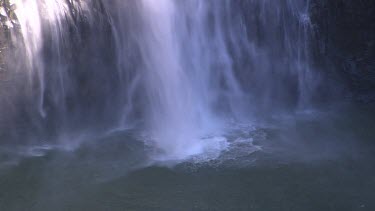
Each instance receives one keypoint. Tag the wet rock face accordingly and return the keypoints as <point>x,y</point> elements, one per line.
<point>7,15</point>
<point>7,25</point>
<point>8,22</point>
<point>345,31</point>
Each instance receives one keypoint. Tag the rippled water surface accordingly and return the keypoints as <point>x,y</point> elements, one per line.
<point>309,161</point>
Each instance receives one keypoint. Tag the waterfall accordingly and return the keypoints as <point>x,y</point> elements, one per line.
<point>179,70</point>
<point>184,66</point>
<point>169,89</point>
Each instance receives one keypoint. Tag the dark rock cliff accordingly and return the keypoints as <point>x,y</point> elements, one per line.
<point>345,36</point>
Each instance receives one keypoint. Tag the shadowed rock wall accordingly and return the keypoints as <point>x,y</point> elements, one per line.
<point>345,33</point>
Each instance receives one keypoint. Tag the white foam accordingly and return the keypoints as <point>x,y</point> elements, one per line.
<point>199,150</point>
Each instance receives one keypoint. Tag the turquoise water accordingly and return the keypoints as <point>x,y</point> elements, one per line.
<point>309,161</point>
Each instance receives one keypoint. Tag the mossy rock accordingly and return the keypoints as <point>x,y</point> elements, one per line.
<point>13,7</point>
